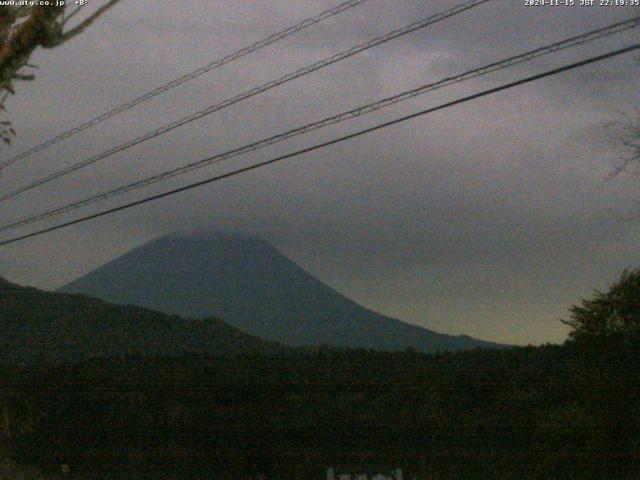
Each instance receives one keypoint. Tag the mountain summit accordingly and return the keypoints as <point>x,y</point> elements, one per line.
<point>252,286</point>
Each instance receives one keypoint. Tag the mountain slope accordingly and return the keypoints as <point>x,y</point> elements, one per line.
<point>38,326</point>
<point>251,285</point>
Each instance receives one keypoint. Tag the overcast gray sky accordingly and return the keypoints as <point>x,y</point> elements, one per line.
<point>490,218</point>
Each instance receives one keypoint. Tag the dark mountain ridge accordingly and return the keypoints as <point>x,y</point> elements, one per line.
<point>254,287</point>
<point>43,326</point>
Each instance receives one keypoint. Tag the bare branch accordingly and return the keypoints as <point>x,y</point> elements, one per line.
<point>19,76</point>
<point>625,135</point>
<point>85,23</point>
<point>71,15</point>
<point>25,28</point>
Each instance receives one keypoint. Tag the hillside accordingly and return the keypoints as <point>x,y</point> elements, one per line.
<point>544,413</point>
<point>254,287</point>
<point>38,326</point>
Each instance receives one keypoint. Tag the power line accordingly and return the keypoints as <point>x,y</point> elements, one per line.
<point>319,146</point>
<point>186,78</point>
<point>362,110</point>
<point>251,93</point>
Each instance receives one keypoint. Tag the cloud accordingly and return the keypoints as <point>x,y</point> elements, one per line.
<point>489,218</point>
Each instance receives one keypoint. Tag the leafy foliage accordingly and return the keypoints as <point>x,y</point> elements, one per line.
<point>549,412</point>
<point>616,311</point>
<point>39,326</point>
<point>24,28</point>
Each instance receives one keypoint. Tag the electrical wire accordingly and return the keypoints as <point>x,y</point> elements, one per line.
<point>251,93</point>
<point>319,146</point>
<point>186,78</point>
<point>362,110</point>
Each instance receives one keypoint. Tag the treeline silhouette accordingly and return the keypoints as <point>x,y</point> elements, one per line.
<point>548,412</point>
<point>567,411</point>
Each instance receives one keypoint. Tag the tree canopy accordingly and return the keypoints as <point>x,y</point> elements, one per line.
<point>25,28</point>
<point>616,311</point>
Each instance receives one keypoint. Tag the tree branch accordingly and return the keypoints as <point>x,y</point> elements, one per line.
<point>84,24</point>
<point>25,39</point>
<point>42,27</point>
